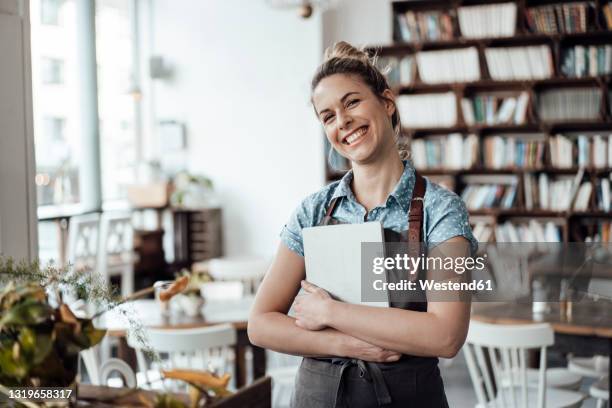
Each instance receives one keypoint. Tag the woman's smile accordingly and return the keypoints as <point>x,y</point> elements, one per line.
<point>355,136</point>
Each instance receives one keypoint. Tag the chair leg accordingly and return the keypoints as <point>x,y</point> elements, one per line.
<point>601,403</point>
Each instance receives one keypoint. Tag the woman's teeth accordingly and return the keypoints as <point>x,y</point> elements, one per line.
<point>356,135</point>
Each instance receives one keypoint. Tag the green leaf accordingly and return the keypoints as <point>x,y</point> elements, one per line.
<point>94,335</point>
<point>16,369</point>
<point>35,345</point>
<point>29,312</point>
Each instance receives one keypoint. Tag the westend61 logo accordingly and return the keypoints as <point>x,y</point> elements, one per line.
<point>412,265</point>
<point>445,267</point>
<point>523,272</point>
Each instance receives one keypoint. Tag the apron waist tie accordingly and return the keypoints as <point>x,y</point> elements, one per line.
<point>371,372</point>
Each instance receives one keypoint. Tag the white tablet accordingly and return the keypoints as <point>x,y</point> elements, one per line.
<point>332,254</point>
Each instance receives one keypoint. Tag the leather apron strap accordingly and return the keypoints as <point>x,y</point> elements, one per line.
<point>415,214</point>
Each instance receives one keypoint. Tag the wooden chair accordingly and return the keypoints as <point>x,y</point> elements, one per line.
<point>496,357</point>
<point>205,348</point>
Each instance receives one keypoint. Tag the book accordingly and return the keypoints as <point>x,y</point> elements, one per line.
<point>532,231</point>
<point>583,196</point>
<point>443,66</point>
<point>428,110</point>
<point>495,108</point>
<point>515,63</point>
<point>398,71</point>
<point>603,197</point>
<point>569,104</point>
<point>575,17</point>
<point>487,20</point>
<point>514,151</point>
<point>580,60</point>
<point>431,25</point>
<point>451,152</point>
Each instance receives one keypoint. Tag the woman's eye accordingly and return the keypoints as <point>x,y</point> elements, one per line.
<point>326,119</point>
<point>353,102</point>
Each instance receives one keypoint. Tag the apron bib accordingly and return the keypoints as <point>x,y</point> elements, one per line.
<point>412,381</point>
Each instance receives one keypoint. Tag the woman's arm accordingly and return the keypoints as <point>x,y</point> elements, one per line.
<point>270,327</point>
<point>439,332</point>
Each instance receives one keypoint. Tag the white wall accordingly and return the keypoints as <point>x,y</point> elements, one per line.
<point>241,86</point>
<point>17,199</point>
<point>359,22</point>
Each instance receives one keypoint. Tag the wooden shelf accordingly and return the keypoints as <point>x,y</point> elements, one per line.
<point>514,212</point>
<point>482,170</point>
<point>491,84</point>
<point>571,221</point>
<point>521,38</point>
<point>544,127</point>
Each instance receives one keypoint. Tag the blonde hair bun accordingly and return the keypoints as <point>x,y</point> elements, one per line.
<point>342,50</point>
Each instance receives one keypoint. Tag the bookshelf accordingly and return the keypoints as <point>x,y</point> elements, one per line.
<point>567,46</point>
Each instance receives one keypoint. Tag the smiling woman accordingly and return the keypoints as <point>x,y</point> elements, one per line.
<point>356,355</point>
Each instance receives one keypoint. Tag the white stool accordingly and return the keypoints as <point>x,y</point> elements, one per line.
<point>594,367</point>
<point>555,378</point>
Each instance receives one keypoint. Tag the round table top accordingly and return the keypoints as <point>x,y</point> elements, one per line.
<point>588,318</point>
<point>148,313</point>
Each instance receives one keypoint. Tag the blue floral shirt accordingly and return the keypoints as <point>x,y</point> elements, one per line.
<point>445,215</point>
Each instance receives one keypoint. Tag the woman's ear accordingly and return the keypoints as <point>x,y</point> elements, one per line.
<point>389,101</point>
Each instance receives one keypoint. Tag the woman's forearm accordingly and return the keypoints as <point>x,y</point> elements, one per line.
<point>405,331</point>
<point>278,332</point>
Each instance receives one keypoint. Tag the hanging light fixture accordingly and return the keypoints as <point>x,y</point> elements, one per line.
<point>304,8</point>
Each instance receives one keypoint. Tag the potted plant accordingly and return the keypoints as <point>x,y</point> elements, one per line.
<point>39,343</point>
<point>40,335</point>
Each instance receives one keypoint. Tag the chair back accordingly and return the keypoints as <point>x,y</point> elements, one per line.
<point>220,290</point>
<point>495,352</point>
<point>113,365</point>
<point>83,238</point>
<point>116,249</point>
<point>249,271</point>
<point>204,348</point>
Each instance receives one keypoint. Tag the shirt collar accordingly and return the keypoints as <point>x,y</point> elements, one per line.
<point>402,193</point>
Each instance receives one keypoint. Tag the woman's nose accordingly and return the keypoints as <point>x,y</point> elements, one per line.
<point>344,120</point>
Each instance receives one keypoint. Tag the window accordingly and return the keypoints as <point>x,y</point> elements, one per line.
<point>55,108</point>
<point>52,71</point>
<point>54,129</point>
<point>60,140</point>
<point>49,11</point>
<point>117,97</point>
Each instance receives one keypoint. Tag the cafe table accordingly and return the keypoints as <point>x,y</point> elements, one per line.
<point>256,395</point>
<point>587,331</point>
<point>147,312</point>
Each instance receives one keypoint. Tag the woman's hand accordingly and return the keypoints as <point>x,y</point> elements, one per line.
<point>359,349</point>
<point>311,309</point>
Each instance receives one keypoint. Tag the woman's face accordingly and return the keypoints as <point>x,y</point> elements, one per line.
<point>357,123</point>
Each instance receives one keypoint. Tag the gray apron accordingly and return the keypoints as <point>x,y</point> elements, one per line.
<point>412,381</point>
